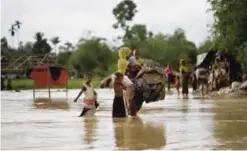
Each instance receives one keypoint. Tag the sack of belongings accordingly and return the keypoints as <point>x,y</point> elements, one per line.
<point>243,86</point>
<point>150,83</point>
<point>235,85</point>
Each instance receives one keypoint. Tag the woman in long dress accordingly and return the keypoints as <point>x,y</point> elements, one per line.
<point>184,72</point>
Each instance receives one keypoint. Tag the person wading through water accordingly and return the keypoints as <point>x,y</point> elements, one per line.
<point>122,66</point>
<point>184,70</point>
<point>90,97</point>
<point>135,65</point>
<point>202,75</point>
<point>168,73</point>
<point>118,109</point>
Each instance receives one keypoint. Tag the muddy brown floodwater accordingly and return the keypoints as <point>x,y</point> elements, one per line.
<point>173,123</point>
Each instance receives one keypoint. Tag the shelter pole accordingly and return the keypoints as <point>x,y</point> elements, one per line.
<point>67,90</point>
<point>33,93</point>
<point>49,91</point>
<point>48,78</point>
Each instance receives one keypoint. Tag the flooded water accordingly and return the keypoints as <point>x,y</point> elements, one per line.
<point>173,123</point>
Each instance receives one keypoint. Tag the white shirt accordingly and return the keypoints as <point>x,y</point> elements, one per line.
<point>89,93</point>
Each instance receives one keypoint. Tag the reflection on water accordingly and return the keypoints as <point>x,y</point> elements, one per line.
<point>89,124</point>
<point>231,124</point>
<point>45,103</point>
<point>173,123</point>
<point>133,133</point>
<point>185,107</point>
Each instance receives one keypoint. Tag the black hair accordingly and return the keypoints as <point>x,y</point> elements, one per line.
<point>118,74</point>
<point>88,74</point>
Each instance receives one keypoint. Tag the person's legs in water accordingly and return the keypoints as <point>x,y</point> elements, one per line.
<point>207,86</point>
<point>177,84</point>
<point>178,90</point>
<point>202,88</point>
<point>194,84</point>
<point>183,85</point>
<point>118,109</point>
<point>84,111</point>
<point>169,82</point>
<point>96,104</point>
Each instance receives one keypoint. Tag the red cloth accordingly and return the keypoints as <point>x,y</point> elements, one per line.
<point>41,76</point>
<point>89,101</point>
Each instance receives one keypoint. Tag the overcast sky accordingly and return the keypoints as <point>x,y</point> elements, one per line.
<point>70,19</point>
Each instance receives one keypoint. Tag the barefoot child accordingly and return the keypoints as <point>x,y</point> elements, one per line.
<point>90,97</point>
<point>118,109</point>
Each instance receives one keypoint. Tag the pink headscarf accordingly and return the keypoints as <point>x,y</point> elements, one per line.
<point>168,70</point>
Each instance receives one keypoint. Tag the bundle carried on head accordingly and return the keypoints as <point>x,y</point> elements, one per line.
<point>150,65</point>
<point>151,83</point>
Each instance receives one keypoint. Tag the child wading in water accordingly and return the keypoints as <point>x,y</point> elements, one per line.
<point>118,102</point>
<point>90,97</point>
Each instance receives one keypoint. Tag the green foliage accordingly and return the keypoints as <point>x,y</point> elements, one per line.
<point>55,40</point>
<point>4,43</point>
<point>124,12</point>
<point>229,28</point>
<point>93,55</point>
<point>205,46</point>
<point>27,47</point>
<point>68,46</point>
<point>23,84</point>
<point>41,46</point>
<point>12,30</point>
<point>169,48</point>
<point>162,48</point>
<point>137,34</point>
<point>242,56</point>
<point>63,58</point>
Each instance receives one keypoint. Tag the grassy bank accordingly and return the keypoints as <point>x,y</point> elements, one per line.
<point>24,84</point>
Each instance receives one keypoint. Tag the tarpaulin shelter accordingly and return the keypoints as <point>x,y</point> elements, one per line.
<point>207,59</point>
<point>49,76</point>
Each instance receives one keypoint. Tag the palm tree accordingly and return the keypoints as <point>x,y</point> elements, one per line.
<point>4,43</point>
<point>12,31</point>
<point>69,46</point>
<point>39,36</point>
<point>18,25</point>
<point>55,41</point>
<point>41,45</point>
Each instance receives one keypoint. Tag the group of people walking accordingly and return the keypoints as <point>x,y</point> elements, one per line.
<point>181,78</point>
<point>128,66</point>
<point>217,75</point>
